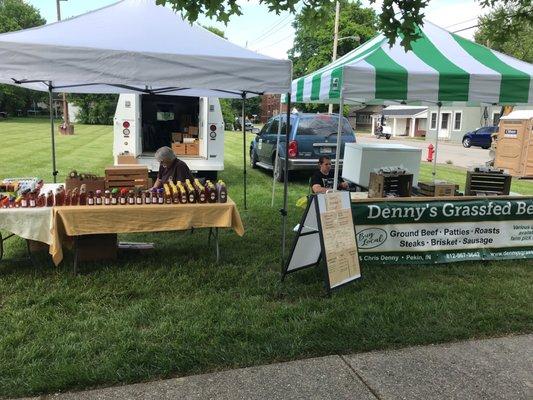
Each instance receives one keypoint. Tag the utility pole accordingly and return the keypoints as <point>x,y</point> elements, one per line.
<point>335,41</point>
<point>67,128</point>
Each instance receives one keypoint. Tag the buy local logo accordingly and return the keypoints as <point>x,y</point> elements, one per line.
<point>371,238</point>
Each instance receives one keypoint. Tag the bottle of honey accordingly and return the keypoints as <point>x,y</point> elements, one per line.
<point>222,192</point>
<point>83,195</point>
<point>32,199</point>
<point>107,198</point>
<point>98,200</point>
<point>75,200</point>
<point>191,193</point>
<point>50,199</point>
<point>153,196</point>
<point>123,199</point>
<point>114,196</point>
<point>200,192</point>
<point>147,196</point>
<point>41,200</point>
<point>160,196</point>
<point>131,197</point>
<point>211,192</point>
<point>68,197</point>
<point>24,202</point>
<point>90,198</point>
<point>182,193</point>
<point>167,193</point>
<point>138,197</point>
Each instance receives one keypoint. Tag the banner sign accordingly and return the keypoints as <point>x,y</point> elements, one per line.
<point>442,231</point>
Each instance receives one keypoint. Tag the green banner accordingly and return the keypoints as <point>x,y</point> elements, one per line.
<point>437,231</point>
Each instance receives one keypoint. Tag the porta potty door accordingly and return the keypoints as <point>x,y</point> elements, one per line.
<point>514,140</point>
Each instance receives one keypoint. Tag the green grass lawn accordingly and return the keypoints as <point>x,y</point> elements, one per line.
<point>175,312</point>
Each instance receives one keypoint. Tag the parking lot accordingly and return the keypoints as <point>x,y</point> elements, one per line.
<point>454,152</point>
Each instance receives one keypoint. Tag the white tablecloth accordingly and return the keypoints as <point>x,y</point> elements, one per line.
<point>28,223</point>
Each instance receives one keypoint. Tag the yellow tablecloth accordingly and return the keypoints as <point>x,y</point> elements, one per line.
<point>87,220</point>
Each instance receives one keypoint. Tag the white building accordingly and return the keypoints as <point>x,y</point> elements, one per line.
<point>404,120</point>
<point>455,121</point>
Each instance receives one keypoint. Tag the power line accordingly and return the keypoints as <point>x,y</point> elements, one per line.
<point>265,33</point>
<point>273,44</point>
<point>274,31</point>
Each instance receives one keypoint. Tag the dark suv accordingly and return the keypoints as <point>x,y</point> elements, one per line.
<point>311,136</point>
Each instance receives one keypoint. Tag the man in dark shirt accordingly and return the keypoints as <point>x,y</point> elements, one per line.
<point>322,180</point>
<point>171,168</point>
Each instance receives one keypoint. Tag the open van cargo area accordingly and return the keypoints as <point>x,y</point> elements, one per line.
<point>164,115</point>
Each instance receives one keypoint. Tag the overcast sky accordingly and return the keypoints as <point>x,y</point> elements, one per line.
<point>272,34</point>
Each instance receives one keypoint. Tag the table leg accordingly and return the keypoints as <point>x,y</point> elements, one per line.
<point>76,253</point>
<point>2,240</point>
<point>30,256</point>
<point>216,245</point>
<point>209,236</point>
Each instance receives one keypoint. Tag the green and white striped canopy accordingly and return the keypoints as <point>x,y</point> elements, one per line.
<point>441,66</point>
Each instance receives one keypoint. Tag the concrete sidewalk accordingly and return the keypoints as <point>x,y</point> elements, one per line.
<point>499,368</point>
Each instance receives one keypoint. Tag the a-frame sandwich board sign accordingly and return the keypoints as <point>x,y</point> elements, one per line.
<point>326,232</point>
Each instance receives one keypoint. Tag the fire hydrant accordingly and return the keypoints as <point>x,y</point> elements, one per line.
<point>431,152</point>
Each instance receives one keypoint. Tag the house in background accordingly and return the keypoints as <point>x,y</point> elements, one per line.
<point>360,118</point>
<point>455,121</point>
<point>269,106</point>
<point>404,120</point>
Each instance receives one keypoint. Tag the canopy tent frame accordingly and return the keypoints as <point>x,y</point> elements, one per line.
<point>440,68</point>
<point>143,62</point>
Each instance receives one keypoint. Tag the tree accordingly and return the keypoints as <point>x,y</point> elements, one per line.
<point>506,31</point>
<point>397,17</point>
<point>215,30</point>
<point>96,109</point>
<point>313,43</point>
<point>16,15</point>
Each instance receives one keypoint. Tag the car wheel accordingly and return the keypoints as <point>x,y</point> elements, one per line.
<point>466,143</point>
<point>253,159</point>
<point>387,137</point>
<point>485,147</point>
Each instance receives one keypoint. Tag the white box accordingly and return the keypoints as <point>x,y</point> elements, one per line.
<point>362,159</point>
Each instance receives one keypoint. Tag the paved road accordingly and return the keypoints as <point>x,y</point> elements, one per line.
<point>459,156</point>
<point>478,369</point>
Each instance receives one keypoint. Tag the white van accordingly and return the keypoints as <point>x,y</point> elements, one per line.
<point>144,123</point>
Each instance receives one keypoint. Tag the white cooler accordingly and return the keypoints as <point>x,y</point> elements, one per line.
<point>362,159</point>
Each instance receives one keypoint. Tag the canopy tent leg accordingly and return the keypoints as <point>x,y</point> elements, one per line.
<point>277,158</point>
<point>244,145</point>
<point>439,104</point>
<point>339,136</point>
<point>52,134</point>
<point>283,211</point>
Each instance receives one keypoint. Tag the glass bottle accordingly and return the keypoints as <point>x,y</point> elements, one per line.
<point>153,196</point>
<point>160,196</point>
<point>90,198</point>
<point>131,197</point>
<point>123,199</point>
<point>114,196</point>
<point>50,199</point>
<point>98,198</point>
<point>68,197</point>
<point>222,192</point>
<point>147,195</point>
<point>107,198</point>
<point>75,200</point>
<point>83,195</point>
<point>138,197</point>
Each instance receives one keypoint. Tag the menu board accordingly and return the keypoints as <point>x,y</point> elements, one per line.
<point>338,237</point>
<point>326,232</point>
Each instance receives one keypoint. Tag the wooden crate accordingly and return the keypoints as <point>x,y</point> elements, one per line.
<point>127,159</point>
<point>126,176</point>
<point>382,185</point>
<point>179,149</point>
<point>494,182</point>
<point>437,189</point>
<point>92,185</point>
<point>192,149</point>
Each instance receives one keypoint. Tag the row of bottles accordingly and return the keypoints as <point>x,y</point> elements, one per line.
<point>187,192</point>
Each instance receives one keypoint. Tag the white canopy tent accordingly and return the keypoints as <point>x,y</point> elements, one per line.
<point>137,46</point>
